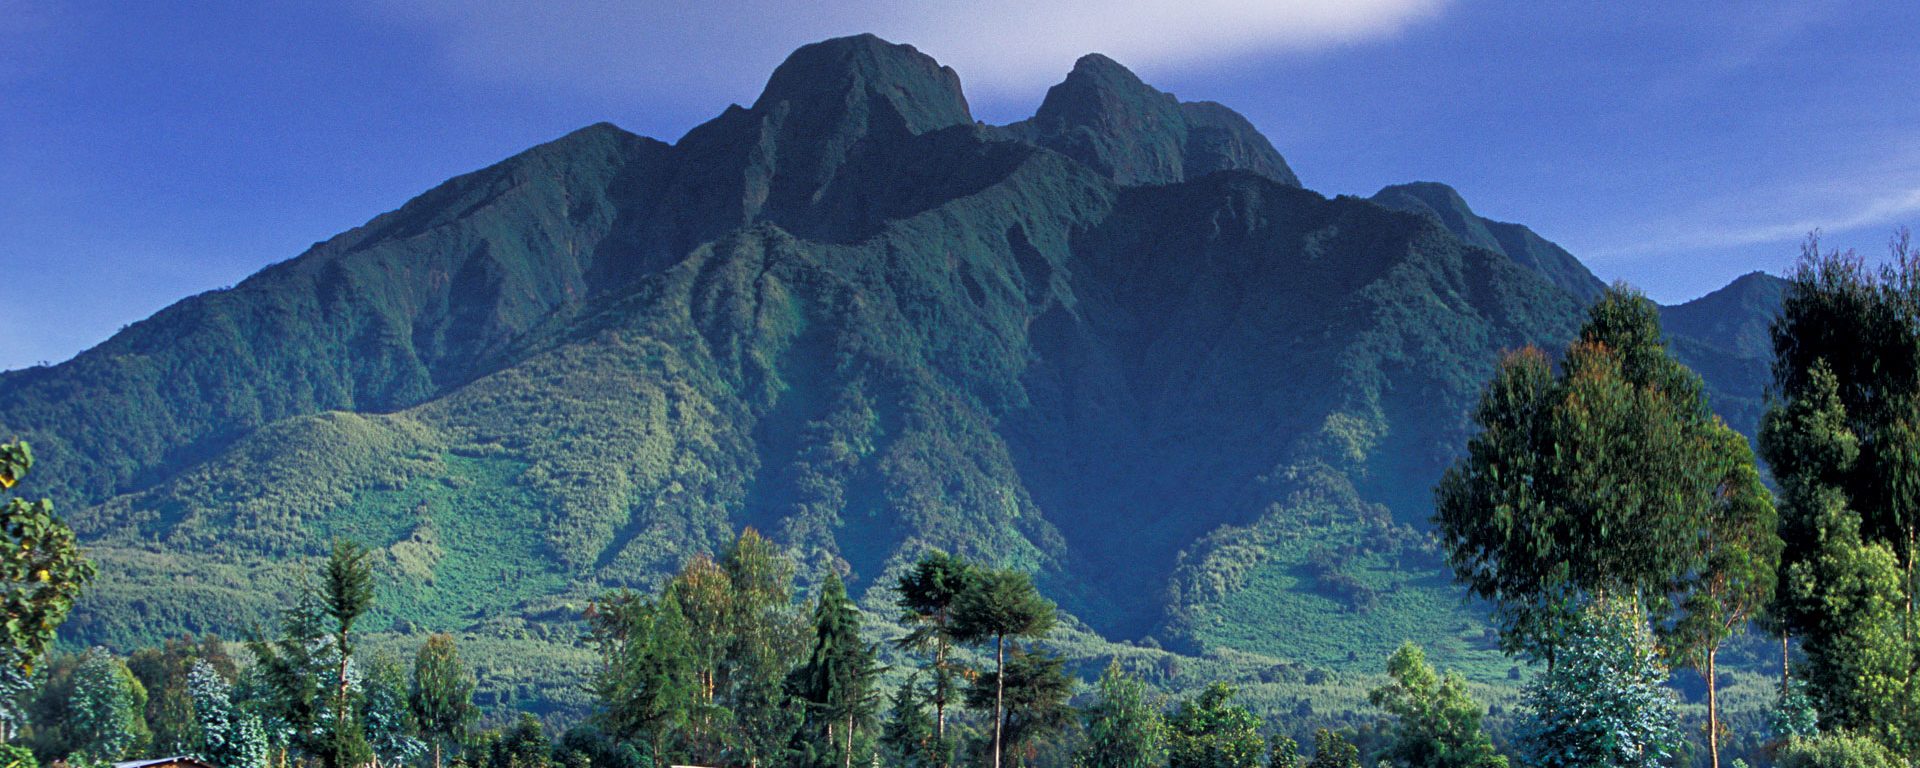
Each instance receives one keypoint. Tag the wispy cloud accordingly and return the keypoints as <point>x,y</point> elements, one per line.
<point>1834,202</point>
<point>627,49</point>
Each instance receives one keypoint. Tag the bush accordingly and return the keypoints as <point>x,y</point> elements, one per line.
<point>1836,750</point>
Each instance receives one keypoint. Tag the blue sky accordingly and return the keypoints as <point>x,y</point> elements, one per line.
<point>150,151</point>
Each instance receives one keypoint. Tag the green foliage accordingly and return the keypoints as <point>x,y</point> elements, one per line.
<point>910,736</point>
<point>42,572</point>
<point>17,756</point>
<point>1331,750</point>
<point>996,605</point>
<point>1209,731</point>
<point>107,712</point>
<point>928,593</point>
<point>440,694</point>
<point>1837,750</point>
<point>524,745</point>
<point>345,593</point>
<point>1846,451</point>
<point>1857,647</point>
<point>1437,723</point>
<point>1124,729</point>
<point>1793,715</point>
<point>1283,752</point>
<point>836,684</point>
<point>1604,701</point>
<point>229,737</point>
<point>1033,689</point>
<point>389,726</point>
<point>1603,479</point>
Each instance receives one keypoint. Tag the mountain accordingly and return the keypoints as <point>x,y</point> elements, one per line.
<point>1116,344</point>
<point>1442,203</point>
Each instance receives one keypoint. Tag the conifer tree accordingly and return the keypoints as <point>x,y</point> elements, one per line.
<point>346,591</point>
<point>108,710</point>
<point>230,737</point>
<point>1605,703</point>
<point>928,594</point>
<point>836,684</point>
<point>997,605</point>
<point>909,736</point>
<point>1035,689</point>
<point>384,717</point>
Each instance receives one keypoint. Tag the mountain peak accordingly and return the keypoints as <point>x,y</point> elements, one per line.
<point>1106,117</point>
<point>1444,204</point>
<point>864,73</point>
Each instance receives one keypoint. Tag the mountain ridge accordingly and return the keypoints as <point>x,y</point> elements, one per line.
<point>1119,347</point>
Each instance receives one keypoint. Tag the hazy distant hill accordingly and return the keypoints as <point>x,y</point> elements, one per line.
<point>1116,344</point>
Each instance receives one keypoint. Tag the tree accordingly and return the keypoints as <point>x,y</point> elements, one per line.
<point>346,583</point>
<point>1733,577</point>
<point>441,694</point>
<point>909,737</point>
<point>525,745</point>
<point>836,684</point>
<point>1844,442</point>
<point>1124,729</point>
<point>384,715</point>
<point>1793,715</point>
<point>1437,723</point>
<point>230,738</point>
<point>1331,750</point>
<point>1853,623</point>
<point>999,604</point>
<point>769,634</point>
<point>291,674</point>
<point>928,594</point>
<point>1209,731</point>
<point>165,671</point>
<point>1837,750</point>
<point>1035,688</point>
<point>1283,752</point>
<point>42,572</point>
<point>108,710</point>
<point>647,681</point>
<point>1596,481</point>
<point>1605,702</point>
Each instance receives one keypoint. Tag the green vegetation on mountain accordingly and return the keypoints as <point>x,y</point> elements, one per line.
<point>1116,347</point>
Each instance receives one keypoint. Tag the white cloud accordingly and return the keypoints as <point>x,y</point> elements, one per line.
<point>1727,231</point>
<point>650,48</point>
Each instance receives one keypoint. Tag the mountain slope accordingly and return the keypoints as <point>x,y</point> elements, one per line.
<point>1514,241</point>
<point>1116,345</point>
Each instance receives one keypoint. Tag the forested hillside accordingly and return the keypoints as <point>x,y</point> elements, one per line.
<point>1117,346</point>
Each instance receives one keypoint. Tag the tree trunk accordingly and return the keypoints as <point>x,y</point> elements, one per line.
<point>849,760</point>
<point>999,692</point>
<point>940,689</point>
<point>1786,669</point>
<point>436,753</point>
<point>340,704</point>
<point>1713,708</point>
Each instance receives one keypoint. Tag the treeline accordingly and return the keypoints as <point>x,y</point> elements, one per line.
<point>724,666</point>
<point>1619,529</point>
<point>307,696</point>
